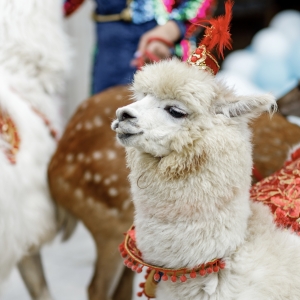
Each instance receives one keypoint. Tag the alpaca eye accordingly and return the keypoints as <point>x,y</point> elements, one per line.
<point>175,112</point>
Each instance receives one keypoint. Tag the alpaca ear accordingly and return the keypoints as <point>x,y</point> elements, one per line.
<point>246,106</point>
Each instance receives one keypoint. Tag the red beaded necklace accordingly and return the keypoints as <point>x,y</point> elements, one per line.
<point>133,260</point>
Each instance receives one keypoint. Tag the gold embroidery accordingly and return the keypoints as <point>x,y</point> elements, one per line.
<point>10,136</point>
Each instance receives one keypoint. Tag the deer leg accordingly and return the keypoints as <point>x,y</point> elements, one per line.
<point>109,270</point>
<point>65,222</point>
<point>124,289</point>
<point>32,273</point>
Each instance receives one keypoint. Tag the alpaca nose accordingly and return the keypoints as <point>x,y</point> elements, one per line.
<point>125,113</point>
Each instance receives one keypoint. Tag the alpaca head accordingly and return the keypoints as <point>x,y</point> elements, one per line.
<point>184,113</point>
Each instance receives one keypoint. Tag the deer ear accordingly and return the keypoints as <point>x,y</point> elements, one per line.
<point>246,106</point>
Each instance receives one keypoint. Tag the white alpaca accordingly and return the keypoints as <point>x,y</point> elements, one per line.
<point>33,66</point>
<point>189,151</point>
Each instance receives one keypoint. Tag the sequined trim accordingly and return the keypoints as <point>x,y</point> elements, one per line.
<point>10,137</point>
<point>281,192</point>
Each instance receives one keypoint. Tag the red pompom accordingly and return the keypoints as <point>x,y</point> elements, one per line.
<point>221,264</point>
<point>209,270</point>
<point>215,268</point>
<point>140,294</point>
<point>183,278</point>
<point>173,278</point>
<point>202,272</point>
<point>156,277</point>
<point>193,274</point>
<point>139,270</point>
<point>134,267</point>
<point>129,264</point>
<point>165,277</point>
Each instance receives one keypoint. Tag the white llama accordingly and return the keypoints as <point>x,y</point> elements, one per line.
<point>189,152</point>
<point>33,67</point>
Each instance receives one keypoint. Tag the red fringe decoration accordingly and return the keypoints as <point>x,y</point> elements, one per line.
<point>217,35</point>
<point>281,192</point>
<point>70,6</point>
<point>133,260</point>
<point>9,133</point>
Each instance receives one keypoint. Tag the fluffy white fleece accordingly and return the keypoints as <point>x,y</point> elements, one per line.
<point>190,179</point>
<point>34,62</point>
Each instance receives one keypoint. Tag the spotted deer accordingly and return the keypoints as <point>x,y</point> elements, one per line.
<point>88,176</point>
<point>272,140</point>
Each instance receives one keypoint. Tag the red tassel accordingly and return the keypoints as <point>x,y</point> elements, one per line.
<point>183,278</point>
<point>217,35</point>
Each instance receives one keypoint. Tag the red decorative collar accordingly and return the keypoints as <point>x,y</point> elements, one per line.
<point>281,192</point>
<point>133,259</point>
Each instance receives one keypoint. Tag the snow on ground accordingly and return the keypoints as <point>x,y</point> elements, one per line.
<point>68,266</point>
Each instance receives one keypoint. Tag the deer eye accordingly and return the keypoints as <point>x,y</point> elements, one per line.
<point>175,112</point>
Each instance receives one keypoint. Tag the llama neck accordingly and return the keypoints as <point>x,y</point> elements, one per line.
<point>183,223</point>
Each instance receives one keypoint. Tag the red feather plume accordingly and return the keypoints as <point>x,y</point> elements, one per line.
<point>217,34</point>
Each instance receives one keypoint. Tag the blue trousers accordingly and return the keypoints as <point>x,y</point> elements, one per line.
<point>116,44</point>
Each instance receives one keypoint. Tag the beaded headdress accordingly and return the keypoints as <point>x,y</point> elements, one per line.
<point>216,38</point>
